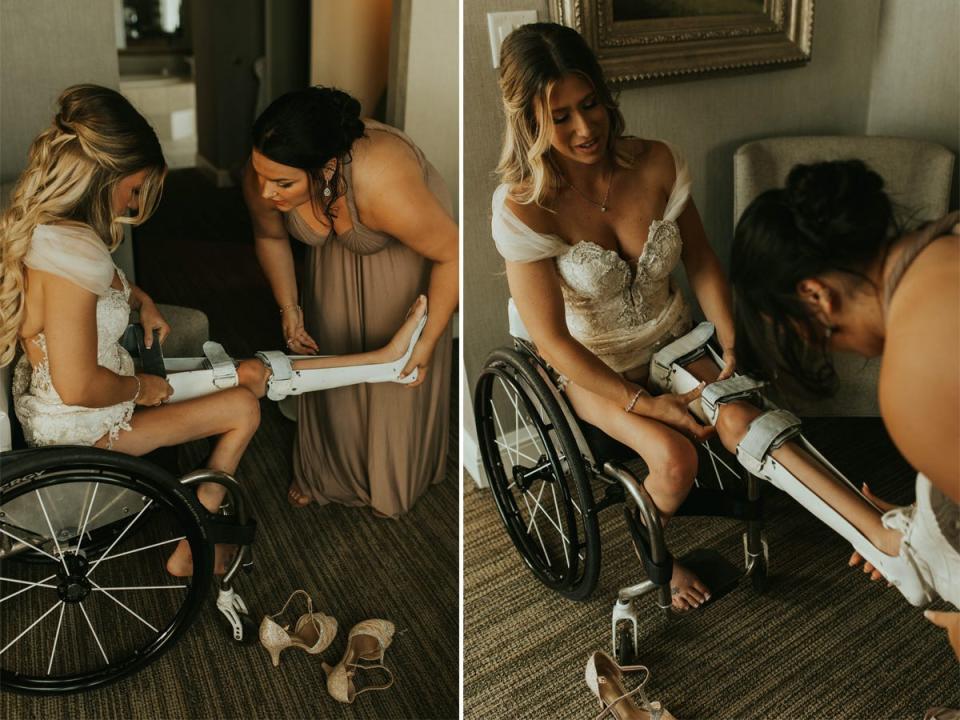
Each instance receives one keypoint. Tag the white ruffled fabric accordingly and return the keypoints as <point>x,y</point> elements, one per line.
<point>621,314</point>
<point>76,254</point>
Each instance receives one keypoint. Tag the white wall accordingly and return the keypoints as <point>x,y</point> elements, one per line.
<point>432,105</point>
<point>349,47</point>
<point>915,86</point>
<point>46,46</point>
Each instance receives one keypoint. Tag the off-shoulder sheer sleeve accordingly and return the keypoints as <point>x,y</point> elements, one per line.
<point>681,186</point>
<point>73,252</point>
<point>515,241</point>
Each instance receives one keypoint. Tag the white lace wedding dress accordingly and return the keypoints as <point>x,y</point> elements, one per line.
<point>76,253</point>
<point>621,315</point>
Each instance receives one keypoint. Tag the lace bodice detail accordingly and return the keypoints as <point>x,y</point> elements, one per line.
<point>620,312</point>
<point>45,418</point>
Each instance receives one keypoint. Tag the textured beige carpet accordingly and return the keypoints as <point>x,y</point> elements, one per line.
<point>823,642</point>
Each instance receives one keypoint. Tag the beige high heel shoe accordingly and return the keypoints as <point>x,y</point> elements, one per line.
<point>367,641</point>
<point>605,678</point>
<point>313,632</point>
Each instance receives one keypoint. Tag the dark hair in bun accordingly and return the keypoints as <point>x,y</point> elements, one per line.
<point>831,216</point>
<point>306,129</point>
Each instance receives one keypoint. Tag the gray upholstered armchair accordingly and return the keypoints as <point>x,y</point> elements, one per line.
<point>917,176</point>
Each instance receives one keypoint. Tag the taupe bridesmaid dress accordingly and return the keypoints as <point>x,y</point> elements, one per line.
<point>382,444</point>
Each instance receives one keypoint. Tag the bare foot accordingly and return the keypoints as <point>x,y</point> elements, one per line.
<point>180,563</point>
<point>297,498</point>
<point>687,590</point>
<point>400,343</point>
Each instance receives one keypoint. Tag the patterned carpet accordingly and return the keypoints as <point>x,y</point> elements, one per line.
<point>357,565</point>
<point>822,642</point>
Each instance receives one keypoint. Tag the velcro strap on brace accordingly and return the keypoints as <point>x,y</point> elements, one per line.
<point>681,351</point>
<point>224,371</point>
<point>280,383</point>
<point>767,432</point>
<point>733,388</point>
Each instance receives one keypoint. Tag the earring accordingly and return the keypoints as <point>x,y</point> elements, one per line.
<point>327,192</point>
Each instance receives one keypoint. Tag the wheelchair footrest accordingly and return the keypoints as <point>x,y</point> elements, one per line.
<point>714,570</point>
<point>659,573</point>
<point>708,502</point>
<point>226,530</point>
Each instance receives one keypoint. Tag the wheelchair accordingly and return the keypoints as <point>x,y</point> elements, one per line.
<point>551,474</point>
<point>84,537</point>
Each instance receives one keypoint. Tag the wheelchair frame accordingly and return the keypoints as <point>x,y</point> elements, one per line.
<point>588,454</point>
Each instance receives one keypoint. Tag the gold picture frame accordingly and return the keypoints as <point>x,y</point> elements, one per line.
<point>645,41</point>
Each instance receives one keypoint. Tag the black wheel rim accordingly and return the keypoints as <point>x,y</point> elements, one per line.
<point>94,603</point>
<point>528,470</point>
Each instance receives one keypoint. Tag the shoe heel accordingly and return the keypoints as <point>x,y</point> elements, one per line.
<point>275,655</point>
<point>327,669</point>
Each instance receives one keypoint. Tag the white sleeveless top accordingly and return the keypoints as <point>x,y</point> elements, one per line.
<point>621,316</point>
<point>77,254</point>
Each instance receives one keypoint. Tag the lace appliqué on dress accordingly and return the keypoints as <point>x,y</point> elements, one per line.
<point>45,418</point>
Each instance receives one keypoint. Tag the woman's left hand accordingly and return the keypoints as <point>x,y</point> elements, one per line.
<point>420,359</point>
<point>151,319</point>
<point>729,364</point>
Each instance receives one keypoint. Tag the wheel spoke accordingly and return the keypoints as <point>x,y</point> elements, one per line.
<point>546,555</point>
<point>545,514</point>
<point>53,534</point>
<point>106,592</point>
<point>523,455</point>
<point>83,527</point>
<point>32,625</point>
<point>496,418</point>
<point>29,585</point>
<point>27,582</point>
<point>29,545</point>
<point>56,637</point>
<point>117,539</point>
<point>526,427</point>
<point>141,549</point>
<point>95,637</point>
<point>140,587</point>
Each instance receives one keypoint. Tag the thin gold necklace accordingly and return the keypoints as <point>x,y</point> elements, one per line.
<point>603,203</point>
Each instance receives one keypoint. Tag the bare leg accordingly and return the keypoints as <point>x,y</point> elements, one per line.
<point>393,350</point>
<point>672,461</point>
<point>732,423</point>
<point>233,415</point>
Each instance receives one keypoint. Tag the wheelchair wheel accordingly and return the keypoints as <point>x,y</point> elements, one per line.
<point>540,482</point>
<point>95,602</point>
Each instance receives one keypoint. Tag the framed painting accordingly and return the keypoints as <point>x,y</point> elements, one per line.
<point>641,41</point>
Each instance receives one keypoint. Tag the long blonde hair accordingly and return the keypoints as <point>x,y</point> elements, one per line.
<point>533,58</point>
<point>97,138</point>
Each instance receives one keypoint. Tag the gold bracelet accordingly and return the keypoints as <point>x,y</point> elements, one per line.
<point>136,395</point>
<point>633,402</point>
<point>287,307</point>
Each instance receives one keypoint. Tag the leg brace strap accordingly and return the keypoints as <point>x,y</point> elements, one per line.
<point>681,351</point>
<point>280,383</point>
<point>767,432</point>
<point>224,371</point>
<point>738,387</point>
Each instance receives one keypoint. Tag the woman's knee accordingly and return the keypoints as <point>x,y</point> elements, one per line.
<point>243,409</point>
<point>675,463</point>
<point>733,421</point>
<point>253,375</point>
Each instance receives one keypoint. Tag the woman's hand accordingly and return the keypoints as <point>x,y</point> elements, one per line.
<point>151,319</point>
<point>154,390</point>
<point>949,621</point>
<point>420,359</point>
<point>729,364</point>
<point>297,338</point>
<point>856,558</point>
<point>673,410</point>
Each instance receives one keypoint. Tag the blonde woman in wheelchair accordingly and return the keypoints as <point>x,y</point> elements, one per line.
<point>591,223</point>
<point>62,300</point>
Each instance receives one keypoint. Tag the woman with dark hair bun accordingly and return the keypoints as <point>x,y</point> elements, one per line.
<point>822,265</point>
<point>376,216</point>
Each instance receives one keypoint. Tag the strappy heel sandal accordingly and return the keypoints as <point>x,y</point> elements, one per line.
<point>366,645</point>
<point>312,633</point>
<point>605,678</point>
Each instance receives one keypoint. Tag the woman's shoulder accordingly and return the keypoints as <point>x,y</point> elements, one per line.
<point>383,147</point>
<point>72,251</point>
<point>534,215</point>
<point>648,159</point>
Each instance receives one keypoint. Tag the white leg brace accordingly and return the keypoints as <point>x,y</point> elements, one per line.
<point>194,377</point>
<point>766,433</point>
